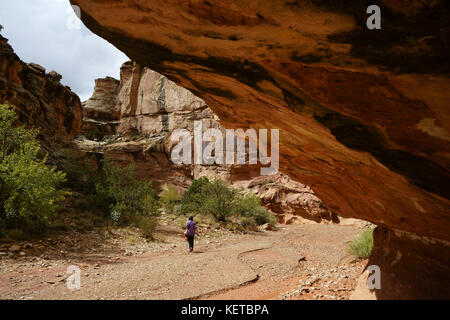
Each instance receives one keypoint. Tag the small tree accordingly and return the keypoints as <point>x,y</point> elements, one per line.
<point>218,200</point>
<point>221,201</point>
<point>123,195</point>
<point>249,206</point>
<point>192,200</point>
<point>169,198</point>
<point>29,189</point>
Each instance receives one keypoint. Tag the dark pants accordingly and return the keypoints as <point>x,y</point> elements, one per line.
<point>191,242</point>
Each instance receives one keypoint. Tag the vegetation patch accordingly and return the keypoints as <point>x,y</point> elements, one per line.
<point>227,205</point>
<point>362,245</point>
<point>31,191</point>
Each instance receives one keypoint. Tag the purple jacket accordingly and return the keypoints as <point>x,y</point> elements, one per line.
<point>190,228</point>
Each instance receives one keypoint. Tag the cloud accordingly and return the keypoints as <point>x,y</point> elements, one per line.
<point>48,33</point>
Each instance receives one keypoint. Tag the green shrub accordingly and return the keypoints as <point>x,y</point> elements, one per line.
<point>134,135</point>
<point>30,190</point>
<point>95,135</point>
<point>249,206</point>
<point>146,224</point>
<point>169,198</point>
<point>81,171</point>
<point>123,195</point>
<point>362,245</point>
<point>192,199</point>
<point>217,199</point>
<point>249,223</point>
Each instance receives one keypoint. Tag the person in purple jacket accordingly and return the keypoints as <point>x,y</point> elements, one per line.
<point>191,230</point>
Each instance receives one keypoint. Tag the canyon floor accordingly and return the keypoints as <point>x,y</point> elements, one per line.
<point>291,262</point>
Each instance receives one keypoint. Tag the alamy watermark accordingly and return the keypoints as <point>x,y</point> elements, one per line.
<point>374,278</point>
<point>209,147</point>
<point>73,281</point>
<point>374,20</point>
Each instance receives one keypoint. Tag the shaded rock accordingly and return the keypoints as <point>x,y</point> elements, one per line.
<point>149,105</point>
<point>55,76</point>
<point>363,115</point>
<point>411,267</point>
<point>305,70</point>
<point>99,111</point>
<point>266,227</point>
<point>289,199</point>
<point>39,99</point>
<point>37,67</point>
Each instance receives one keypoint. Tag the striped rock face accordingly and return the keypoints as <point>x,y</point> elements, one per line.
<point>39,97</point>
<point>363,114</point>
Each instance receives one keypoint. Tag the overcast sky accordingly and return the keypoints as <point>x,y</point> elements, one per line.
<point>48,33</point>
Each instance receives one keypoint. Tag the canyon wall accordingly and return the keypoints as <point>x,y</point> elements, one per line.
<point>363,114</point>
<point>39,97</point>
<point>133,120</point>
<point>99,113</point>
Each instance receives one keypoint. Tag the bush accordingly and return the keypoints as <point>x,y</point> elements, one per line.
<point>217,199</point>
<point>30,193</point>
<point>169,198</point>
<point>123,195</point>
<point>81,171</point>
<point>249,206</point>
<point>192,198</point>
<point>362,245</point>
<point>146,224</point>
<point>95,135</point>
<point>249,223</point>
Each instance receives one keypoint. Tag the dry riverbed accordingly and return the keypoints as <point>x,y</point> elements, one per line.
<point>292,262</point>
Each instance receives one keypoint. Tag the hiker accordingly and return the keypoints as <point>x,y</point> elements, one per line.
<point>191,230</point>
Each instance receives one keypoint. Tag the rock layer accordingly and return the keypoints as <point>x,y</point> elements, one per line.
<point>352,126</point>
<point>137,115</point>
<point>99,112</point>
<point>363,114</point>
<point>40,99</point>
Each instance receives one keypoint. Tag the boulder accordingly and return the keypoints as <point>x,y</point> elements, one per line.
<point>266,227</point>
<point>36,67</point>
<point>55,76</point>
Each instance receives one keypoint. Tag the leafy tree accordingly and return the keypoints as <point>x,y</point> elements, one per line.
<point>192,198</point>
<point>123,195</point>
<point>222,202</point>
<point>218,200</point>
<point>29,189</point>
<point>249,206</point>
<point>169,198</point>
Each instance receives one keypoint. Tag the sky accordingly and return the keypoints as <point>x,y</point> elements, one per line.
<point>49,33</point>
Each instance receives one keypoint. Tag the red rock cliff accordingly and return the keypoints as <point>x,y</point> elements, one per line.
<point>363,114</point>
<point>40,99</point>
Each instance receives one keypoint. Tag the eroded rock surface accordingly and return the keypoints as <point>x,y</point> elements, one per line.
<point>292,201</point>
<point>352,125</point>
<point>99,112</point>
<point>40,99</point>
<point>363,115</point>
<point>137,116</point>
